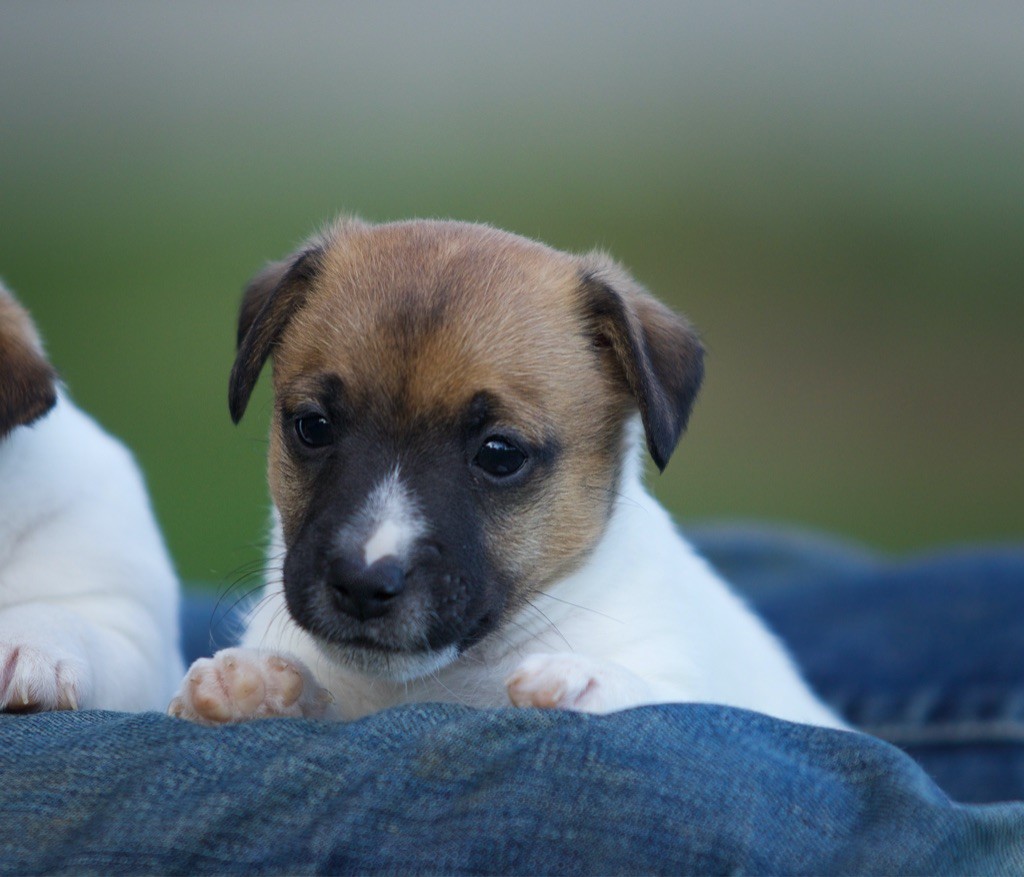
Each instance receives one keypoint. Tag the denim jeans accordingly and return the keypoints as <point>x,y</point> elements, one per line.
<point>927,652</point>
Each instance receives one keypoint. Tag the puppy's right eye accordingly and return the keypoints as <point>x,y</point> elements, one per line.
<point>314,430</point>
<point>499,458</point>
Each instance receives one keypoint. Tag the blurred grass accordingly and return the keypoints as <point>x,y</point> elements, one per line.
<point>858,272</point>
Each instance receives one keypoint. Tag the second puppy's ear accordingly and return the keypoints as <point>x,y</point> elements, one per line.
<point>28,383</point>
<point>268,303</point>
<point>657,353</point>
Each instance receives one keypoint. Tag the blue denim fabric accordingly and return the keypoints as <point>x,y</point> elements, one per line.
<point>445,789</point>
<point>927,652</point>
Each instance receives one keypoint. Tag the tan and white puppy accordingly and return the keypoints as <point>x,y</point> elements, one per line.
<point>458,507</point>
<point>88,597</point>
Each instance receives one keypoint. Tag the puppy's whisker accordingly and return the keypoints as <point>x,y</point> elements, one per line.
<point>222,615</point>
<point>513,646</point>
<point>257,563</point>
<point>241,601</point>
<point>267,596</point>
<point>618,497</point>
<point>247,583</point>
<point>579,606</point>
<point>238,577</point>
<point>229,618</point>
<point>248,571</point>
<point>550,623</point>
<point>244,571</point>
<point>272,625</point>
<point>435,676</point>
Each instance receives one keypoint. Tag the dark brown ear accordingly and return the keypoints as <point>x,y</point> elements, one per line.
<point>657,352</point>
<point>28,383</point>
<point>268,303</point>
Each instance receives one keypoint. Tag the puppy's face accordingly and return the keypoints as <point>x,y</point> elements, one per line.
<point>449,425</point>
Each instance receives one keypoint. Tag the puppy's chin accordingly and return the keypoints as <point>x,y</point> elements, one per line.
<point>392,666</point>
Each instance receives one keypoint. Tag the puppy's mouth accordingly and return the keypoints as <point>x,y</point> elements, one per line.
<point>387,663</point>
<point>417,637</point>
<point>375,636</point>
<point>375,658</point>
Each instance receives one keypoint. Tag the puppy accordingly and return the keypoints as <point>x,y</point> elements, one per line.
<point>88,598</point>
<point>456,476</point>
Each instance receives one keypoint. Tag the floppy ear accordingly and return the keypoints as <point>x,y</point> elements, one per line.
<point>268,303</point>
<point>28,383</point>
<point>657,353</point>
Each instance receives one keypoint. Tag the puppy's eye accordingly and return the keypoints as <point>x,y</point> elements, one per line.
<point>499,458</point>
<point>314,430</point>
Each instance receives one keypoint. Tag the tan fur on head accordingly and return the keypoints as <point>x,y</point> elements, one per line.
<point>27,380</point>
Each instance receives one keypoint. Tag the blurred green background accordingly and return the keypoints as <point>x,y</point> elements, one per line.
<point>833,192</point>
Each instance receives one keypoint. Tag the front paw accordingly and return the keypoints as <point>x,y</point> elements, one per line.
<point>236,685</point>
<point>38,678</point>
<point>559,681</point>
<point>573,682</point>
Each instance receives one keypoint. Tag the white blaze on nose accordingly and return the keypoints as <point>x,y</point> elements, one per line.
<point>386,540</point>
<point>394,523</point>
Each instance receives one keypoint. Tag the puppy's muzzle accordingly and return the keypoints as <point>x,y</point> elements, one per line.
<point>365,592</point>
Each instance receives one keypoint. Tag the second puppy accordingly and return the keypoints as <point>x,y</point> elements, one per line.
<point>458,508</point>
<point>88,596</point>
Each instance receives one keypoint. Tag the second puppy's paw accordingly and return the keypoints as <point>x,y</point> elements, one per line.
<point>236,685</point>
<point>38,677</point>
<point>573,682</point>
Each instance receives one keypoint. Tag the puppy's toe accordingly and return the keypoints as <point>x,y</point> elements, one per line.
<point>236,685</point>
<point>37,678</point>
<point>558,681</point>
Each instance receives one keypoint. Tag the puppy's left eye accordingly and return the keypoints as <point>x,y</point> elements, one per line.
<point>314,430</point>
<point>499,458</point>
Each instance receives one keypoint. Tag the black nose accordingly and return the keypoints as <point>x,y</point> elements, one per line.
<point>366,592</point>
